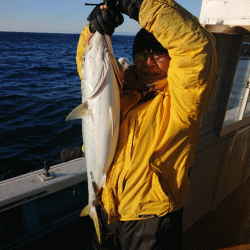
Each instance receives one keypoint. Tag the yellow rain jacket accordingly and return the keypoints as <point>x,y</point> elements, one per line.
<point>158,138</point>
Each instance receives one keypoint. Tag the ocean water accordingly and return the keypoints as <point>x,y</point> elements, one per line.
<point>39,86</point>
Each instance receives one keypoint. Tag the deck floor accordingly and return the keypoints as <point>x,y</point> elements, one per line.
<point>225,227</point>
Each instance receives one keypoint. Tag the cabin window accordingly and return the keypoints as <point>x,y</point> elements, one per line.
<point>239,102</point>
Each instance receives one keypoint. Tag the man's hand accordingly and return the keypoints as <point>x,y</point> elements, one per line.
<point>130,8</point>
<point>105,19</point>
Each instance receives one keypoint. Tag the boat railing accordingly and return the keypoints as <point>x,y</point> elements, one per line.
<point>37,206</point>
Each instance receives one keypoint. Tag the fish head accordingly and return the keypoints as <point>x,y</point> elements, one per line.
<point>96,65</point>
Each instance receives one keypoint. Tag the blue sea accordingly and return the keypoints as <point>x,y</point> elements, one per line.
<point>39,86</point>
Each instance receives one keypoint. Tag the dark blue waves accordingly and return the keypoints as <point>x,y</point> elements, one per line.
<point>39,86</point>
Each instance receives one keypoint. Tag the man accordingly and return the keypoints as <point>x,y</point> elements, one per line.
<point>164,97</point>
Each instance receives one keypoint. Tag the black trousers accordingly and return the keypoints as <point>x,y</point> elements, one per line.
<point>155,233</point>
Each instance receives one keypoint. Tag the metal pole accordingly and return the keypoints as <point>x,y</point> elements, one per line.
<point>93,4</point>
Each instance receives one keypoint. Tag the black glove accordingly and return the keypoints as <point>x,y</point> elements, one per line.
<point>105,20</point>
<point>130,8</point>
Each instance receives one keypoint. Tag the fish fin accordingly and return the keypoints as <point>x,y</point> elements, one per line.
<point>117,72</point>
<point>103,182</point>
<point>97,227</point>
<point>78,113</point>
<point>85,211</point>
<point>114,121</point>
<point>111,116</point>
<point>124,62</point>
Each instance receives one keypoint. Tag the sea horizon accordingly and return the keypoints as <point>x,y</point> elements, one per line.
<point>65,33</point>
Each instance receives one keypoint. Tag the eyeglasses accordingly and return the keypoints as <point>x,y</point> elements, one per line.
<point>143,56</point>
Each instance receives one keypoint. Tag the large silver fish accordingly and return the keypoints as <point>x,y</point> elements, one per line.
<point>100,113</point>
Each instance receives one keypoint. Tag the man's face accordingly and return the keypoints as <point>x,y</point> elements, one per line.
<point>151,68</point>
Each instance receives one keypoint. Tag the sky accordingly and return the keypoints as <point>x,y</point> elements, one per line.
<point>62,16</point>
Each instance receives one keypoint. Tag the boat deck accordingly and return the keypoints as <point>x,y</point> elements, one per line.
<point>220,229</point>
<point>75,235</point>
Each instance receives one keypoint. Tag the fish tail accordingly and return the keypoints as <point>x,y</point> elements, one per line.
<point>93,215</point>
<point>97,227</point>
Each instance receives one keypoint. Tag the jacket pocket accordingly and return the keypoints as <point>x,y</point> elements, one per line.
<point>159,194</point>
<point>122,183</point>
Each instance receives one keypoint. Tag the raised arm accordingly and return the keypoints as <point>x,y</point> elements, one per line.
<point>192,71</point>
<point>81,48</point>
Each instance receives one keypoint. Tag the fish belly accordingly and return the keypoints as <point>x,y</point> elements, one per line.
<point>100,133</point>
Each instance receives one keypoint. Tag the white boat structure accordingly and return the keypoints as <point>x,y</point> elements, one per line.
<point>225,12</point>
<point>46,213</point>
